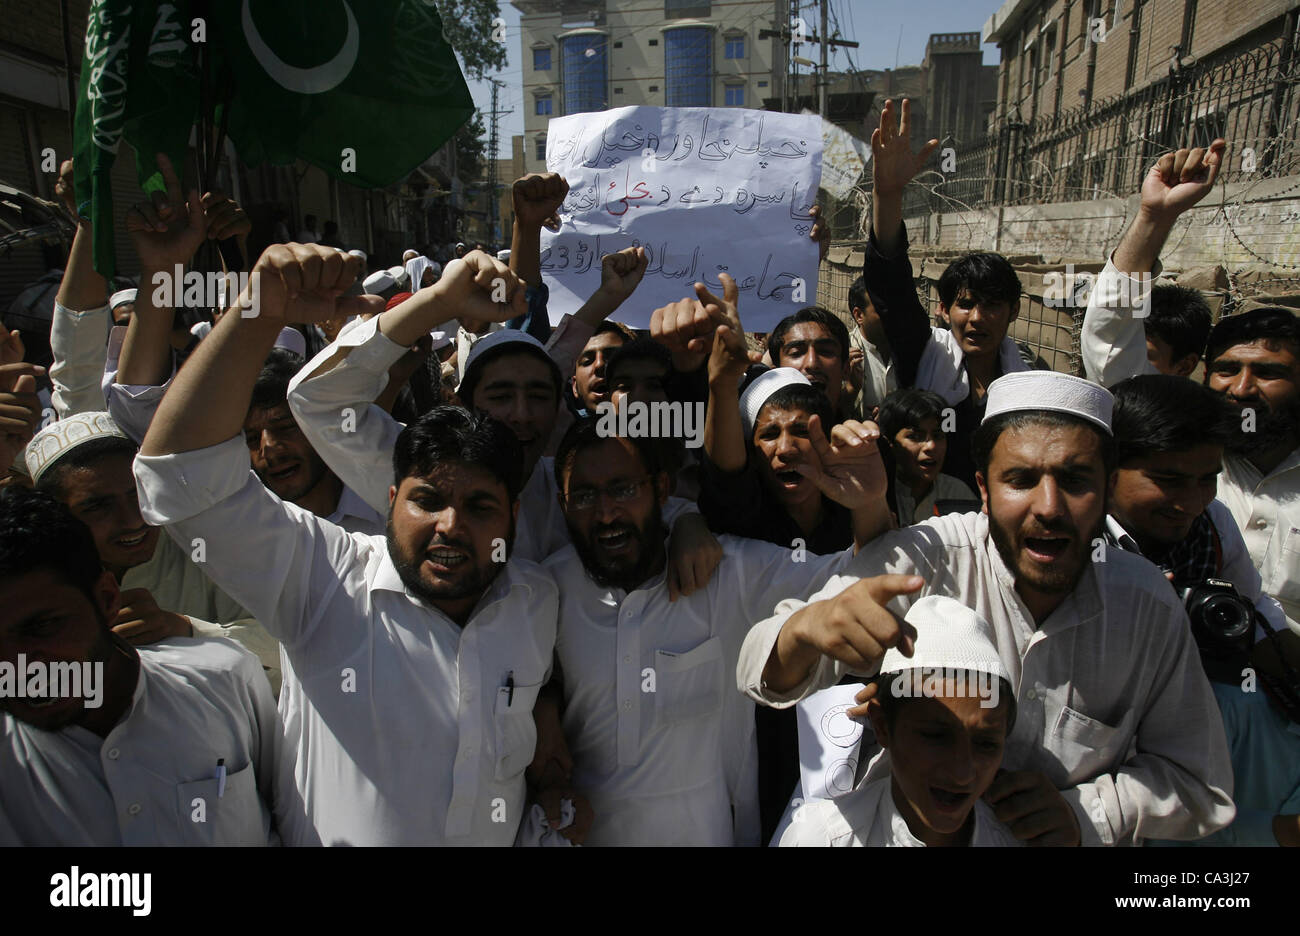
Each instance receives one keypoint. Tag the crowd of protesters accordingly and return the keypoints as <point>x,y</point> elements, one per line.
<point>359,562</point>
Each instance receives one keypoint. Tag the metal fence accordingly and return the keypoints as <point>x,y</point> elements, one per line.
<point>1104,149</point>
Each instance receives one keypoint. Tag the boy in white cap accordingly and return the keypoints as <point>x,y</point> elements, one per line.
<point>942,717</point>
<point>1117,737</point>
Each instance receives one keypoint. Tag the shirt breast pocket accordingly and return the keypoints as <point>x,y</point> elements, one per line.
<point>1084,746</point>
<point>233,815</point>
<point>516,732</point>
<point>689,684</point>
<point>1286,573</point>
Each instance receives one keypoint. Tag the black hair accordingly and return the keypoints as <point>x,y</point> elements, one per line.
<point>272,386</point>
<point>890,703</point>
<point>803,397</point>
<point>988,277</point>
<point>586,433</point>
<point>1158,413</point>
<point>617,328</point>
<point>38,532</point>
<point>1180,317</point>
<point>474,372</point>
<point>858,294</point>
<point>86,455</point>
<point>452,434</point>
<point>1270,324</point>
<point>638,349</point>
<point>817,315</point>
<point>907,409</point>
<point>986,436</point>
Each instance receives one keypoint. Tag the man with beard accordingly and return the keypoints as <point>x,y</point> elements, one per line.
<point>1253,359</point>
<point>413,659</point>
<point>177,743</point>
<point>661,742</point>
<point>1117,737</point>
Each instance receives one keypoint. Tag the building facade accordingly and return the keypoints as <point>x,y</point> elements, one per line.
<point>591,56</point>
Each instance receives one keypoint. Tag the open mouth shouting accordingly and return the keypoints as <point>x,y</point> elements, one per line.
<point>615,540</point>
<point>1048,548</point>
<point>136,539</point>
<point>949,802</point>
<point>787,478</point>
<point>445,558</point>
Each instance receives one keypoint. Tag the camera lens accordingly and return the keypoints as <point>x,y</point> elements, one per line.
<point>1226,617</point>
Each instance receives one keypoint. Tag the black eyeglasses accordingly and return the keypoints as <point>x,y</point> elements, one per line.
<point>620,492</point>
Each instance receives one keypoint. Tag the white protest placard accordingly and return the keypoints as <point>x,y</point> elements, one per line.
<point>831,744</point>
<point>844,158</point>
<point>703,190</point>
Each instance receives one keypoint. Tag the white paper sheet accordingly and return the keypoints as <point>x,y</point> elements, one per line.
<point>830,743</point>
<point>704,190</point>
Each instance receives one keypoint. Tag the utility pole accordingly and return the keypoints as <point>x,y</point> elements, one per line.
<point>492,162</point>
<point>823,80</point>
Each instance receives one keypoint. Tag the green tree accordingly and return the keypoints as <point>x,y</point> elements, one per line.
<point>471,150</point>
<point>469,27</point>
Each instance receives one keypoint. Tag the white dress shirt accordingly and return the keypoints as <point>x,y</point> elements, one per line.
<point>1113,340</point>
<point>153,777</point>
<point>1112,702</point>
<point>404,725</point>
<point>662,743</point>
<point>868,816</point>
<point>77,345</point>
<point>1267,511</point>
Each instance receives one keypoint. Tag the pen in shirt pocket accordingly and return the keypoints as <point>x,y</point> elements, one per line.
<point>510,689</point>
<point>220,776</point>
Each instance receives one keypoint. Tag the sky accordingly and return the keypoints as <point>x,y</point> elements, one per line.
<point>890,31</point>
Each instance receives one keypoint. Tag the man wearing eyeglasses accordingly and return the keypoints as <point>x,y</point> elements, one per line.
<point>662,741</point>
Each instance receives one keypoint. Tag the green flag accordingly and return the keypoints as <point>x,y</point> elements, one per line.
<point>138,83</point>
<point>365,90</point>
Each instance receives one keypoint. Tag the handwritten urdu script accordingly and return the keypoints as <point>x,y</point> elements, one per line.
<point>703,190</point>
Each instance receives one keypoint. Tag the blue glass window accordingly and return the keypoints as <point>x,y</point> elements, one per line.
<point>540,152</point>
<point>688,67</point>
<point>541,59</point>
<point>586,85</point>
<point>735,96</point>
<point>735,47</point>
<point>543,105</point>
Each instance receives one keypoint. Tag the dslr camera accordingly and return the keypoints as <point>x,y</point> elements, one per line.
<point>1223,622</point>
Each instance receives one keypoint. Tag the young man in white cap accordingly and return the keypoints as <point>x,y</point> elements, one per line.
<point>1117,736</point>
<point>662,743</point>
<point>942,717</point>
<point>173,744</point>
<point>84,462</point>
<point>413,659</point>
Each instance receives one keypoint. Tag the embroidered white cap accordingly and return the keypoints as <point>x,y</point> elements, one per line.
<point>498,338</point>
<point>378,281</point>
<point>1034,390</point>
<point>61,437</point>
<point>290,339</point>
<point>949,637</point>
<point>762,387</point>
<point>122,297</point>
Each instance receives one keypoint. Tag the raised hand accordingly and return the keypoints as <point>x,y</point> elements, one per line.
<point>854,628</point>
<point>730,356</point>
<point>1179,180</point>
<point>537,199</point>
<point>621,273</point>
<point>893,164</point>
<point>11,346</point>
<point>66,190</point>
<point>851,470</point>
<point>1027,803</point>
<point>303,283</point>
<point>141,621</point>
<point>20,409</point>
<point>481,287</point>
<point>820,232</point>
<point>168,228</point>
<point>225,217</point>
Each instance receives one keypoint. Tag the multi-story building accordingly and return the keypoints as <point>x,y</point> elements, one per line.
<point>589,55</point>
<point>960,90</point>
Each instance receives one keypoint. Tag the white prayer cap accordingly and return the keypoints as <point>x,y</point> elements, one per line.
<point>949,637</point>
<point>292,340</point>
<point>398,273</point>
<point>121,297</point>
<point>503,255</point>
<point>410,255</point>
<point>358,253</point>
<point>440,339</point>
<point>378,281</point>
<point>763,386</point>
<point>61,437</point>
<point>498,338</point>
<point>1034,390</point>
